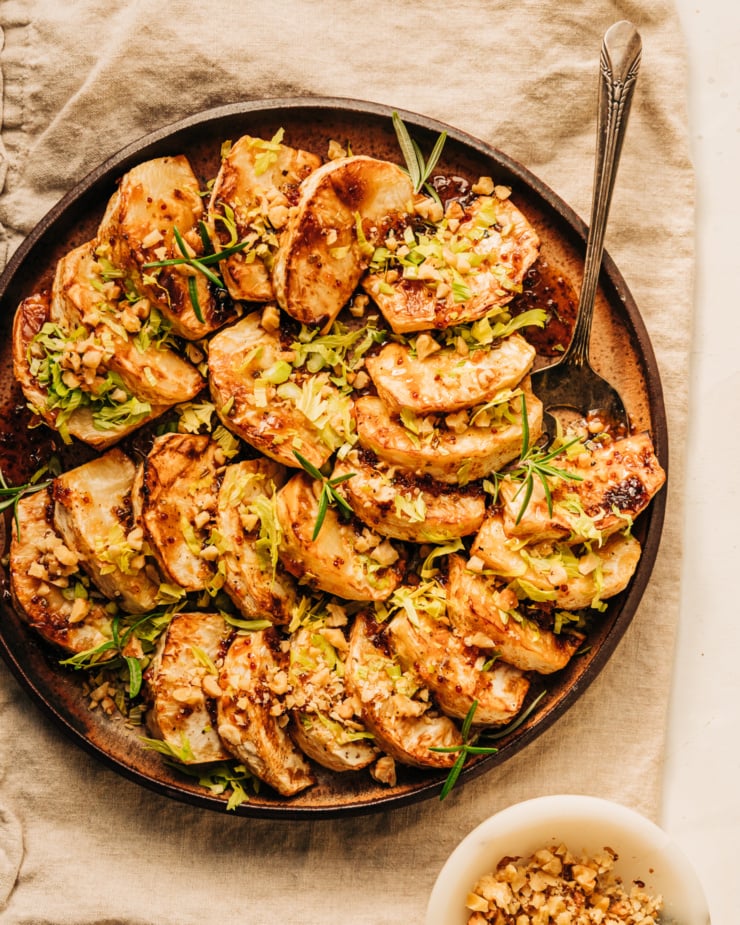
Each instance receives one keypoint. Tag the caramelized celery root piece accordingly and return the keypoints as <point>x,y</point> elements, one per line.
<point>570,576</point>
<point>153,201</point>
<point>43,574</point>
<point>406,726</point>
<point>443,295</point>
<point>453,671</point>
<point>179,488</point>
<point>250,713</point>
<point>93,514</point>
<point>326,724</point>
<point>395,503</point>
<point>82,421</point>
<point>182,686</point>
<point>250,405</point>
<point>483,612</point>
<point>344,559</point>
<point>321,258</point>
<point>614,482</point>
<point>254,578</point>
<point>257,185</point>
<point>81,295</point>
<point>446,455</point>
<point>323,741</point>
<point>446,381</point>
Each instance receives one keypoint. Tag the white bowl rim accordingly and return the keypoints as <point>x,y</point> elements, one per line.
<point>474,855</point>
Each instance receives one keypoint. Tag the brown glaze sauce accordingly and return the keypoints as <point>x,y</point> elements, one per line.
<point>546,287</point>
<point>24,447</point>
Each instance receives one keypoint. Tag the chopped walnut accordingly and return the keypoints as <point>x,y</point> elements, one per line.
<point>270,319</point>
<point>336,150</point>
<point>80,609</point>
<point>429,209</point>
<point>554,887</point>
<point>384,771</point>
<point>484,186</point>
<point>426,345</point>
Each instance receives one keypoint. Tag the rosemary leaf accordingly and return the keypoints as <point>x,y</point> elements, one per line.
<point>205,239</point>
<point>321,514</point>
<point>522,718</point>
<point>407,149</point>
<point>468,721</point>
<point>418,169</point>
<point>308,466</point>
<point>525,428</point>
<point>452,777</point>
<point>435,155</point>
<point>135,675</point>
<point>193,293</point>
<point>528,486</point>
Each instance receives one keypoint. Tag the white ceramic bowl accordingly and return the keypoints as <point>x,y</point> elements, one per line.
<point>583,823</point>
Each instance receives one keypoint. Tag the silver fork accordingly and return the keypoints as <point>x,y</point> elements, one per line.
<point>571,382</point>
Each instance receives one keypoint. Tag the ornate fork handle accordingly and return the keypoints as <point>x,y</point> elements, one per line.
<point>621,51</point>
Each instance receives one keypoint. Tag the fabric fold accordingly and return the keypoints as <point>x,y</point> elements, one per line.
<point>11,853</point>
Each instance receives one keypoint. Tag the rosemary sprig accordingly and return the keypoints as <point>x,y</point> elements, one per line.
<point>202,264</point>
<point>329,494</point>
<point>10,495</point>
<point>469,747</point>
<point>419,170</point>
<point>466,748</point>
<point>536,462</point>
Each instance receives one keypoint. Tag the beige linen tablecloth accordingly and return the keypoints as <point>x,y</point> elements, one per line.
<point>81,78</point>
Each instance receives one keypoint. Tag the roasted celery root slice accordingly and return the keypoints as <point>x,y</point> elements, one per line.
<point>395,503</point>
<point>326,722</point>
<point>330,744</point>
<point>352,563</point>
<point>153,200</point>
<point>81,294</point>
<point>99,423</point>
<point>43,574</point>
<point>446,381</point>
<point>405,725</point>
<point>256,187</point>
<point>251,717</point>
<point>455,673</point>
<point>182,686</point>
<point>321,259</point>
<point>612,484</point>
<point>93,514</point>
<point>179,490</point>
<point>240,361</point>
<point>473,452</point>
<point>491,233</point>
<point>254,578</point>
<point>571,576</point>
<point>484,613</point>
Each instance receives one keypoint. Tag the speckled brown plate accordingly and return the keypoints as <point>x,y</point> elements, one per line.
<point>622,352</point>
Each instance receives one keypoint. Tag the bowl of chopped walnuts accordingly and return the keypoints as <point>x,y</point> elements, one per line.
<point>567,860</point>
